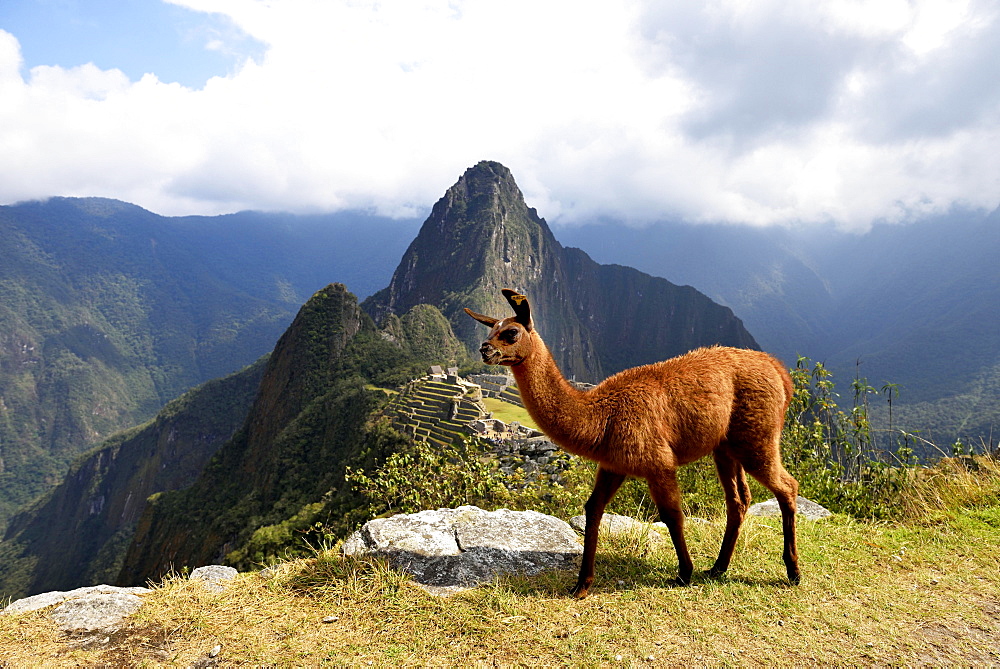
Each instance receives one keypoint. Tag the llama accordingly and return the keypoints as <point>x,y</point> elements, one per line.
<point>647,421</point>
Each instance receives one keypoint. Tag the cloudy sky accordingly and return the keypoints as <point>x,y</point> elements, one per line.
<point>751,111</point>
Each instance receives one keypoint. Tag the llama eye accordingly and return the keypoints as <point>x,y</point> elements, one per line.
<point>510,336</point>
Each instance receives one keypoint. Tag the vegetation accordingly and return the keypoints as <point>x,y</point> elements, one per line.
<point>836,455</point>
<point>278,486</point>
<point>77,533</point>
<point>918,592</point>
<point>898,575</point>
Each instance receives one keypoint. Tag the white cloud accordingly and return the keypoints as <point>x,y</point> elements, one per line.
<point>760,112</point>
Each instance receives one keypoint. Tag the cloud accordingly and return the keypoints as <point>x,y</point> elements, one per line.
<point>758,113</point>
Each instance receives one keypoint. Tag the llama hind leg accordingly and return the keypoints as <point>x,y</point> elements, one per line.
<point>606,484</point>
<point>774,477</point>
<point>737,495</point>
<point>667,497</point>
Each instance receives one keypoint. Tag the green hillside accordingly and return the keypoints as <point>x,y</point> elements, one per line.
<point>108,311</point>
<point>76,534</point>
<point>283,471</point>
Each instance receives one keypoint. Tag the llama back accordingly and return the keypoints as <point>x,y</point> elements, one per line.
<point>709,387</point>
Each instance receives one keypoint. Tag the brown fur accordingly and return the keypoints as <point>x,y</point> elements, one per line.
<point>647,421</point>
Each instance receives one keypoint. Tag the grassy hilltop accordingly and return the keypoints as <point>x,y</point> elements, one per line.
<point>921,591</point>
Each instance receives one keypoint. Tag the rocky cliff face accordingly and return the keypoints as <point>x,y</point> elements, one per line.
<point>481,237</point>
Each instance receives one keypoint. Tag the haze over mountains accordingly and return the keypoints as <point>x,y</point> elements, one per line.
<point>119,305</point>
<point>916,305</point>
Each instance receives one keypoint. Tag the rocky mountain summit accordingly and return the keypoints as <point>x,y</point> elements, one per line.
<point>481,236</point>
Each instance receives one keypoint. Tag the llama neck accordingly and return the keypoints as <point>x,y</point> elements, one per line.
<point>561,411</point>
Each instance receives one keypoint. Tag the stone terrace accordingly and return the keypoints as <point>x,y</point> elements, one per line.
<point>436,408</point>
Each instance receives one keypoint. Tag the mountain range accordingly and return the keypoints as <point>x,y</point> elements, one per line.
<point>281,470</point>
<point>597,319</point>
<point>910,305</point>
<point>236,468</point>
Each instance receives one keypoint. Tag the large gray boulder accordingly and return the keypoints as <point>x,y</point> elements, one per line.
<point>89,609</point>
<point>450,550</point>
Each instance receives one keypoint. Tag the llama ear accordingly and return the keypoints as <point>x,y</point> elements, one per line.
<point>519,303</point>
<point>485,320</point>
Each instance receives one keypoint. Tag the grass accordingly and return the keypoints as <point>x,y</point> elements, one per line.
<point>507,412</point>
<point>910,593</point>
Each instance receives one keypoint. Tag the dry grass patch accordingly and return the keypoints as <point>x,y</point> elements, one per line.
<point>871,593</point>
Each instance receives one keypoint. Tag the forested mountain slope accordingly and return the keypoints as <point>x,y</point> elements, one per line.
<point>108,311</point>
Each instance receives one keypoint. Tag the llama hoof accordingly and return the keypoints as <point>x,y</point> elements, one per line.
<point>681,582</point>
<point>578,592</point>
<point>715,573</point>
<point>794,577</point>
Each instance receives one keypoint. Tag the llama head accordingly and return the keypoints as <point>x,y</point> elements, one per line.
<point>508,341</point>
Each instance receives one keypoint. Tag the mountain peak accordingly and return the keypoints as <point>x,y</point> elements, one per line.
<point>485,198</point>
<point>481,237</point>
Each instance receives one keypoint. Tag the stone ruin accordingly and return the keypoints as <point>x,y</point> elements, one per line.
<point>443,407</point>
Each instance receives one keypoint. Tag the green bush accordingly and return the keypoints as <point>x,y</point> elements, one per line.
<point>839,458</point>
<point>425,476</point>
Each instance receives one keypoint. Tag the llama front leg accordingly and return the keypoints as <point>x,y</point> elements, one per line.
<point>606,484</point>
<point>667,497</point>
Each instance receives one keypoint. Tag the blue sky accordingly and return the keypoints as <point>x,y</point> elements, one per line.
<point>134,36</point>
<point>837,112</point>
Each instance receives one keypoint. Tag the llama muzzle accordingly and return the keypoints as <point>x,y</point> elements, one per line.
<point>490,353</point>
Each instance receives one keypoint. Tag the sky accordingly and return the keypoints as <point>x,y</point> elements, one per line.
<point>760,112</point>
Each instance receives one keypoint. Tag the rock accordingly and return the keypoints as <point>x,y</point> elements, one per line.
<point>450,550</point>
<point>94,608</point>
<point>806,508</point>
<point>99,611</point>
<point>103,607</point>
<point>213,576</point>
<point>45,599</point>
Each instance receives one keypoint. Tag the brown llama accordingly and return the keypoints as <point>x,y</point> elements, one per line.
<point>647,421</point>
